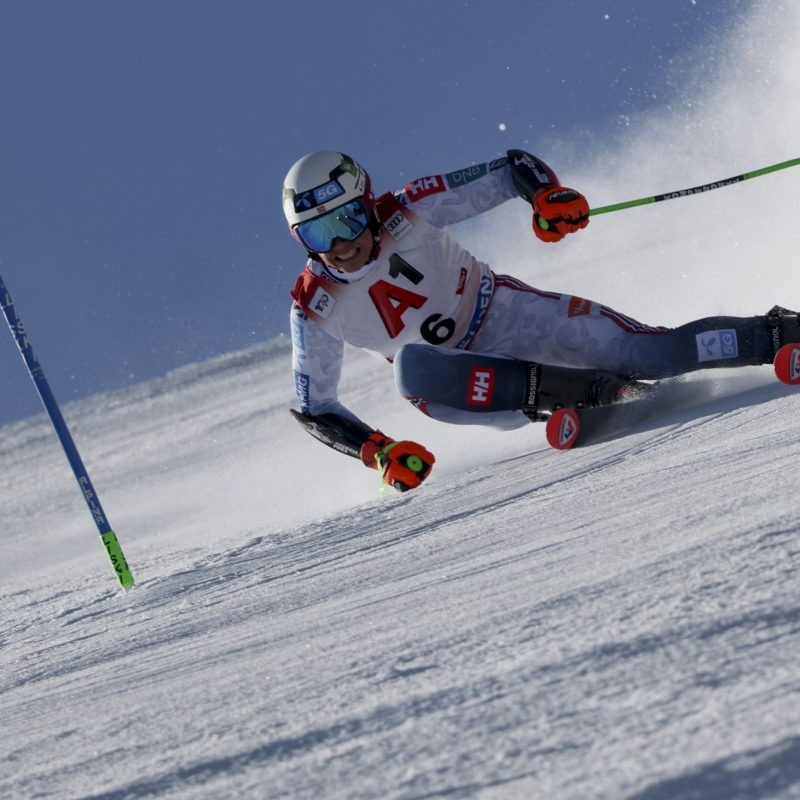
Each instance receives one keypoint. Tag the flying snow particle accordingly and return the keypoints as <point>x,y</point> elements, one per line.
<point>502,126</point>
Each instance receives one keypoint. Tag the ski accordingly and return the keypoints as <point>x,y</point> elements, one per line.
<point>787,364</point>
<point>576,427</point>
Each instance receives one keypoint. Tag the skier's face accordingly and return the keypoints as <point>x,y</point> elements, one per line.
<point>349,256</point>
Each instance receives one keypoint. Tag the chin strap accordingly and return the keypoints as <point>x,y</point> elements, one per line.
<point>375,227</point>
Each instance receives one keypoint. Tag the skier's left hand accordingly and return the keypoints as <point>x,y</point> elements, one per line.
<point>558,211</point>
<point>403,465</point>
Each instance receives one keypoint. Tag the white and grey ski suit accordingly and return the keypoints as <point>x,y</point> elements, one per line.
<point>424,287</point>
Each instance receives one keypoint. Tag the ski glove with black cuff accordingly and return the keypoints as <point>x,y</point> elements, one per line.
<point>403,465</point>
<point>558,211</point>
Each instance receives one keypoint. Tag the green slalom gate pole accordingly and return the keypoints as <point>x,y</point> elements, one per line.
<point>707,187</point>
<point>108,537</point>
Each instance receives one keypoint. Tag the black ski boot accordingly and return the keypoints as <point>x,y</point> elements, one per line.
<point>784,327</point>
<point>551,388</point>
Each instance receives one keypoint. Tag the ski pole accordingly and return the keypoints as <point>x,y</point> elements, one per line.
<point>707,187</point>
<point>108,537</point>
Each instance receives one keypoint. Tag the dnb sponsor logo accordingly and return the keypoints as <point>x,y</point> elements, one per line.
<point>481,386</point>
<point>301,384</point>
<point>464,176</point>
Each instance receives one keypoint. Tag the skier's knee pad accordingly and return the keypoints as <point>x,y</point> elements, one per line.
<point>473,382</point>
<point>419,371</point>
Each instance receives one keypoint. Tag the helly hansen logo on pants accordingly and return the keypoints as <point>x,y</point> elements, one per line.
<point>481,386</point>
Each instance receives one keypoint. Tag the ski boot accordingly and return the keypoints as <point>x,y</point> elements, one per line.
<point>553,388</point>
<point>784,327</point>
<point>785,340</point>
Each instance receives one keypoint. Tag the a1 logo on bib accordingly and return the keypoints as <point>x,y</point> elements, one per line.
<point>787,364</point>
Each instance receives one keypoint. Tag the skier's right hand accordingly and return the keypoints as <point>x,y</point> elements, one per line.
<point>558,211</point>
<point>403,465</point>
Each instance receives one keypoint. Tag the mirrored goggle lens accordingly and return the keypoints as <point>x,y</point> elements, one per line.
<point>346,222</point>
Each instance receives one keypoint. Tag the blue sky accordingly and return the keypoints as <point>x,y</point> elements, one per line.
<point>144,144</point>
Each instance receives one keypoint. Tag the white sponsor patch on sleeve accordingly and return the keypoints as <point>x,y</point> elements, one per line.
<point>322,303</point>
<point>717,345</point>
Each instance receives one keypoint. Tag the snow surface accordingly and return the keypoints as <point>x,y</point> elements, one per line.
<point>621,621</point>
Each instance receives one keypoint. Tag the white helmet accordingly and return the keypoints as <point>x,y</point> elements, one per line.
<point>318,185</point>
<point>322,181</point>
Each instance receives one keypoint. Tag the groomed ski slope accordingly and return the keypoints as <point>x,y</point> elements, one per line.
<point>621,621</point>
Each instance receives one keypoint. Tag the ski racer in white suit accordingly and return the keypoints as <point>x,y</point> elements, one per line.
<point>385,275</point>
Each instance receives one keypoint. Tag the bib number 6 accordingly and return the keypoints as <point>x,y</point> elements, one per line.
<point>392,301</point>
<point>437,330</point>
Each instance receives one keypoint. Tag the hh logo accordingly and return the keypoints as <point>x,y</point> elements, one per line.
<point>578,307</point>
<point>422,187</point>
<point>481,386</point>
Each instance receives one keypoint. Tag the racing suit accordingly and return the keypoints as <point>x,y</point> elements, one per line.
<point>423,286</point>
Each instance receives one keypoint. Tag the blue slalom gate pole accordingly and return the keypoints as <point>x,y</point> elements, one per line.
<point>108,537</point>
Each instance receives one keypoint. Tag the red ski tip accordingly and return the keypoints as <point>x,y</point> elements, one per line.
<point>787,364</point>
<point>563,428</point>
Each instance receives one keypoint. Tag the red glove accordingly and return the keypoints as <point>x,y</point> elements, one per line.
<point>558,211</point>
<point>403,465</point>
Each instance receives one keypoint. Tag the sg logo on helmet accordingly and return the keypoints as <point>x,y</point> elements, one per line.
<point>326,192</point>
<point>317,196</point>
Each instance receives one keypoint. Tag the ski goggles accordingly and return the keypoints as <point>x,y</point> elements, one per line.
<point>347,222</point>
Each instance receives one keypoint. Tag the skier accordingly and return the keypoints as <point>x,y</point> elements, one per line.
<point>384,275</point>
